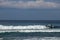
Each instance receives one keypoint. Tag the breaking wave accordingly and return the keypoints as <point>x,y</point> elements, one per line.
<point>24,27</point>
<point>27,28</point>
<point>33,38</point>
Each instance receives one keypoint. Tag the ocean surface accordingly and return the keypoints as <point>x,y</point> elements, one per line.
<point>29,24</point>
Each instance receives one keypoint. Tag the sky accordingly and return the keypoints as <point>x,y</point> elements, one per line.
<point>29,9</point>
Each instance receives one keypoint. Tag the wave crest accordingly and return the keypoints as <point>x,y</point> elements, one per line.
<point>24,27</point>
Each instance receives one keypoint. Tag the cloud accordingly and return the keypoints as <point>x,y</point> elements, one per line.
<point>29,4</point>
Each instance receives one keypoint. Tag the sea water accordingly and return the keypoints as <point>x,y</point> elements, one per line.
<point>29,24</point>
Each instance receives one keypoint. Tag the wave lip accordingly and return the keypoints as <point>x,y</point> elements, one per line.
<point>29,28</point>
<point>24,27</point>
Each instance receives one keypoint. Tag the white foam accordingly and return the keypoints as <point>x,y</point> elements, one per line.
<point>32,38</point>
<point>29,28</point>
<point>43,38</point>
<point>24,27</point>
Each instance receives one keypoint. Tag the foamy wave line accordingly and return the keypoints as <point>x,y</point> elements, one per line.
<point>24,27</point>
<point>18,30</point>
<point>29,28</point>
<point>32,38</point>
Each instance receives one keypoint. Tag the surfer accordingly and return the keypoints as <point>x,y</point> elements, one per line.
<point>50,26</point>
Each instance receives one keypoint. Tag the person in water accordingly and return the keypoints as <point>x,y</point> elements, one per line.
<point>50,26</point>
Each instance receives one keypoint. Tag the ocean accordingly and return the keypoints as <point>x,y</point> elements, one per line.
<point>29,25</point>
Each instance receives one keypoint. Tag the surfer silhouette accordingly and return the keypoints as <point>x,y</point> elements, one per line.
<point>50,26</point>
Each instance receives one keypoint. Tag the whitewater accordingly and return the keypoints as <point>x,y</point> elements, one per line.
<point>27,28</point>
<point>24,27</point>
<point>31,38</point>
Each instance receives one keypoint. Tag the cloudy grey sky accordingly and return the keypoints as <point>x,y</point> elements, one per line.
<point>29,9</point>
